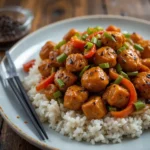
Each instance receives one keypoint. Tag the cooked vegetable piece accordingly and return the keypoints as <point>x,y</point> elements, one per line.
<point>71,33</point>
<point>65,77</point>
<point>94,79</point>
<point>61,58</point>
<point>57,94</point>
<point>61,43</point>
<point>115,44</point>
<point>44,83</point>
<point>116,96</point>
<point>90,52</point>
<point>76,62</point>
<point>49,46</point>
<point>124,75</point>
<point>83,70</point>
<point>118,68</point>
<point>88,45</point>
<point>28,65</point>
<point>142,84</point>
<point>50,90</point>
<point>138,47</point>
<point>132,99</point>
<point>112,108</point>
<point>127,35</point>
<point>94,40</point>
<point>60,83</point>
<point>104,65</point>
<point>129,60</point>
<point>121,49</point>
<point>139,105</point>
<point>135,73</point>
<point>74,97</point>
<point>118,80</point>
<point>105,55</point>
<point>109,36</point>
<point>45,68</point>
<point>94,108</point>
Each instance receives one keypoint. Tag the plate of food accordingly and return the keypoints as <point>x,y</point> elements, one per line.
<point>88,79</point>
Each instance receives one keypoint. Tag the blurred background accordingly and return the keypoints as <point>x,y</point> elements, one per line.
<point>48,11</point>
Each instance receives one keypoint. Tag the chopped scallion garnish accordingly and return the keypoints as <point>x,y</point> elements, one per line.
<point>61,58</point>
<point>60,44</point>
<point>118,68</point>
<point>124,74</point>
<point>99,43</point>
<point>89,30</point>
<point>109,36</point>
<point>126,45</point>
<point>110,108</point>
<point>139,105</point>
<point>118,80</point>
<point>104,65</point>
<point>138,47</point>
<point>135,73</point>
<point>127,35</point>
<point>78,35</point>
<point>88,45</point>
<point>94,40</point>
<point>84,36</point>
<point>57,94</point>
<point>121,49</point>
<point>98,28</point>
<point>60,82</point>
<point>83,70</point>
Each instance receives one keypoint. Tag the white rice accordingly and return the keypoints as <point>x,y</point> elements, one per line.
<point>75,125</point>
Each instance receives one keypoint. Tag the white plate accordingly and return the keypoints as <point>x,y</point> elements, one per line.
<point>29,47</point>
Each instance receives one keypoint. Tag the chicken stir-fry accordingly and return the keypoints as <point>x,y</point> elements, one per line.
<point>96,72</point>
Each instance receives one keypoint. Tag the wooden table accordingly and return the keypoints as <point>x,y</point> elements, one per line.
<point>48,11</point>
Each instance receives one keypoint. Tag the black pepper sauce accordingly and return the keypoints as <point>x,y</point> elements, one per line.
<point>10,31</point>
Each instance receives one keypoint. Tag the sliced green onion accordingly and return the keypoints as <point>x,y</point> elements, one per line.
<point>121,49</point>
<point>94,40</point>
<point>104,65</point>
<point>112,108</point>
<point>138,47</point>
<point>83,37</point>
<point>99,43</point>
<point>126,45</point>
<point>60,82</point>
<point>130,41</point>
<point>53,70</point>
<point>98,28</point>
<point>109,36</point>
<point>118,80</point>
<point>118,68</point>
<point>83,70</point>
<point>78,35</point>
<point>61,58</point>
<point>139,105</point>
<point>124,74</point>
<point>127,35</point>
<point>89,30</point>
<point>88,45</point>
<point>135,73</point>
<point>57,94</point>
<point>60,44</point>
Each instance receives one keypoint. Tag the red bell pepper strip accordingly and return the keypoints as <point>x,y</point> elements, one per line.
<point>44,83</point>
<point>91,52</point>
<point>77,43</point>
<point>28,65</point>
<point>133,96</point>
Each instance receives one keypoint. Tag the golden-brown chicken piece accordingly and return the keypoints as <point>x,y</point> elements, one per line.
<point>75,62</point>
<point>118,37</point>
<point>129,60</point>
<point>94,108</point>
<point>94,79</point>
<point>45,68</point>
<point>74,97</point>
<point>116,96</point>
<point>53,58</point>
<point>146,45</point>
<point>146,62</point>
<point>69,49</point>
<point>105,55</point>
<point>71,33</point>
<point>142,84</point>
<point>50,90</point>
<point>66,77</point>
<point>113,28</point>
<point>136,37</point>
<point>49,46</point>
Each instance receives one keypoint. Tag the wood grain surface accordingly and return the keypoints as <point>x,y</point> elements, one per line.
<point>49,11</point>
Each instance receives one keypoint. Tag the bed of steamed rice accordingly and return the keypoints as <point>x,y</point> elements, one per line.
<point>75,125</point>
